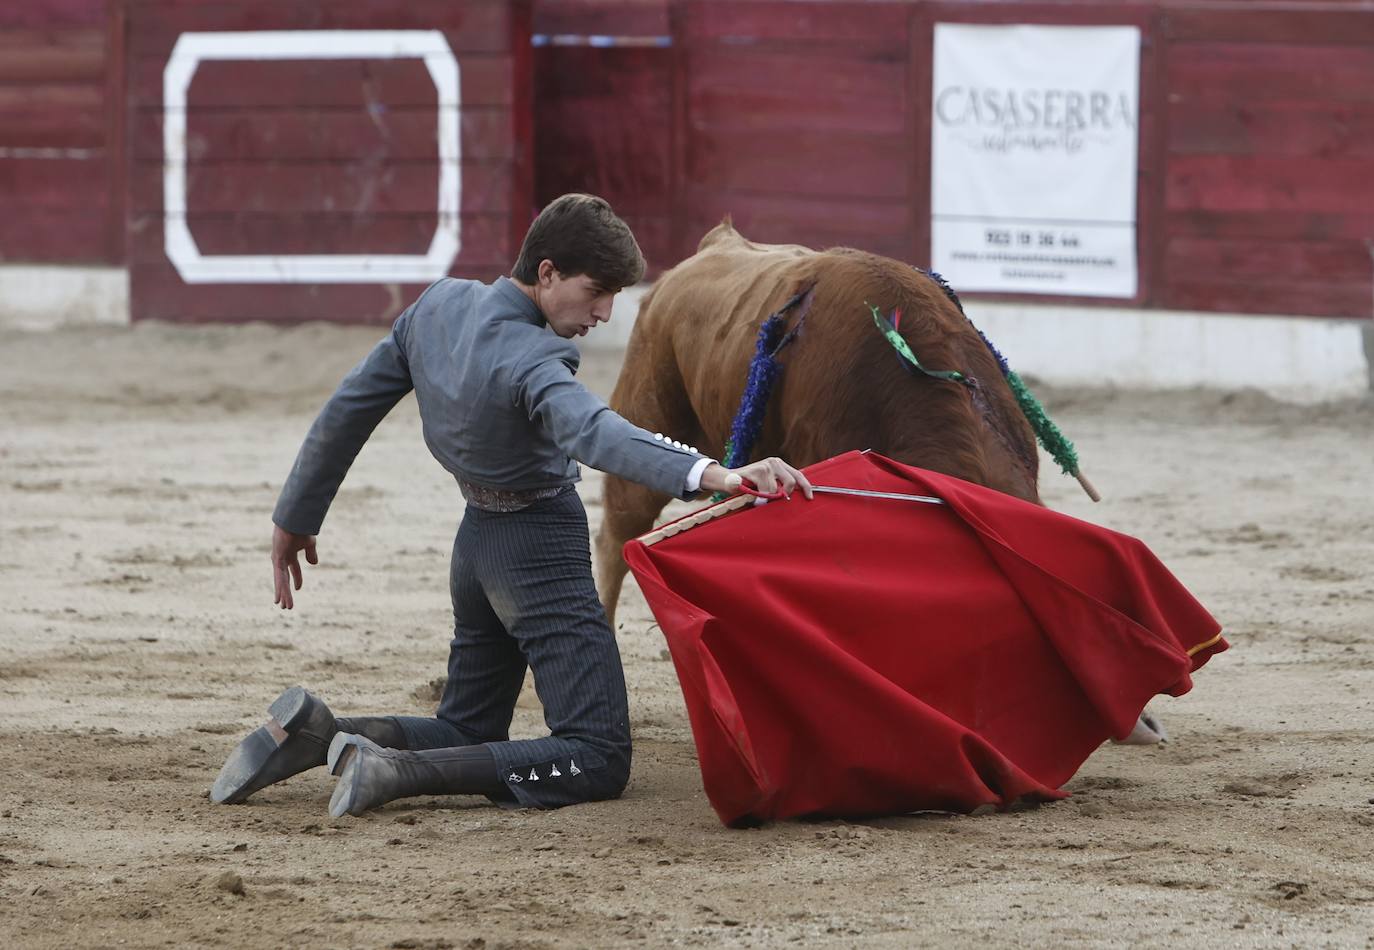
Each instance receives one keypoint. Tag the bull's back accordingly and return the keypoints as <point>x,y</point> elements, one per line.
<point>699,323</point>
<point>843,386</point>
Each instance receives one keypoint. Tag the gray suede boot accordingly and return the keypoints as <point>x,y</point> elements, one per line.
<point>294,739</point>
<point>371,775</point>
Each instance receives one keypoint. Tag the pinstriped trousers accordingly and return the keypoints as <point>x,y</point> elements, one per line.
<point>523,594</point>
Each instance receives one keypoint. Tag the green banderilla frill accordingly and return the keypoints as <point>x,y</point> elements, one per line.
<point>895,338</point>
<point>1046,432</point>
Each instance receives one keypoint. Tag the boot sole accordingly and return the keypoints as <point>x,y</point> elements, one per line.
<point>342,762</point>
<point>337,745</point>
<point>246,762</point>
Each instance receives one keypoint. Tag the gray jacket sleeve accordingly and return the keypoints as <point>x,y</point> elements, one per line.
<point>362,400</point>
<point>582,425</point>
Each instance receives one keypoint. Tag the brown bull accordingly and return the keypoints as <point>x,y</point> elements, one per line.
<point>842,386</point>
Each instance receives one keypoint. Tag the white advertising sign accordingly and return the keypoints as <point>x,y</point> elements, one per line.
<point>1033,158</point>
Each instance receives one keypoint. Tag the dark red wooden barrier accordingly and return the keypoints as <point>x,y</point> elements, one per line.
<point>292,160</point>
<point>1269,199</point>
<point>603,106</point>
<point>798,120</point>
<point>809,122</point>
<point>59,182</point>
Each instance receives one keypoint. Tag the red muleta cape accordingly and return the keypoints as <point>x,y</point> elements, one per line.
<point>856,656</point>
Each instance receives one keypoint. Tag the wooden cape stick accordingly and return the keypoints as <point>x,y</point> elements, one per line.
<point>697,518</point>
<point>732,483</point>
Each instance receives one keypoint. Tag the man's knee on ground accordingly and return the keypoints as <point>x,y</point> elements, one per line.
<point>610,782</point>
<point>609,779</point>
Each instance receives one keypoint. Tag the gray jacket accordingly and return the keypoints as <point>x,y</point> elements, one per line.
<point>499,405</point>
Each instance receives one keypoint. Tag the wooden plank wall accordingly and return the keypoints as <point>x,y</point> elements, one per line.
<point>796,120</point>
<point>603,101</point>
<point>59,183</point>
<point>1270,182</point>
<point>809,122</point>
<point>325,156</point>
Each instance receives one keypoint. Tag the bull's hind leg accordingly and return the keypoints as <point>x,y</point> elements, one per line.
<point>628,509</point>
<point>650,393</point>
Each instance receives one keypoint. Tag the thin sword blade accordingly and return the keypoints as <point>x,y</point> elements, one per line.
<point>895,496</point>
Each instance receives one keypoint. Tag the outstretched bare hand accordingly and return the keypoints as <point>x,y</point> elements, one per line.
<point>767,475</point>
<point>286,568</point>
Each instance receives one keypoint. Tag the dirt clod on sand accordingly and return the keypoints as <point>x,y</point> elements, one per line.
<point>138,469</point>
<point>230,883</point>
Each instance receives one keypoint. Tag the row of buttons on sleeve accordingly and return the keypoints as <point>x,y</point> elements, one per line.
<point>675,444</point>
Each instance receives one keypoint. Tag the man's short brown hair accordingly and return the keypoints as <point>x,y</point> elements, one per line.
<point>581,235</point>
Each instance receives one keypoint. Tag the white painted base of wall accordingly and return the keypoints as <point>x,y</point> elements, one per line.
<point>1296,359</point>
<point>48,296</point>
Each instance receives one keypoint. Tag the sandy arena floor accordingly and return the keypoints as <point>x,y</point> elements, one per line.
<point>137,472</point>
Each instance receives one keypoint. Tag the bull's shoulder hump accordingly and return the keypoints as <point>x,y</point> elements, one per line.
<point>750,250</point>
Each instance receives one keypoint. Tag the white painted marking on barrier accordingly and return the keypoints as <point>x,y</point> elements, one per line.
<point>23,151</point>
<point>192,49</point>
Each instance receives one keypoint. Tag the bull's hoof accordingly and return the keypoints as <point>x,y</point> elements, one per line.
<point>1149,730</point>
